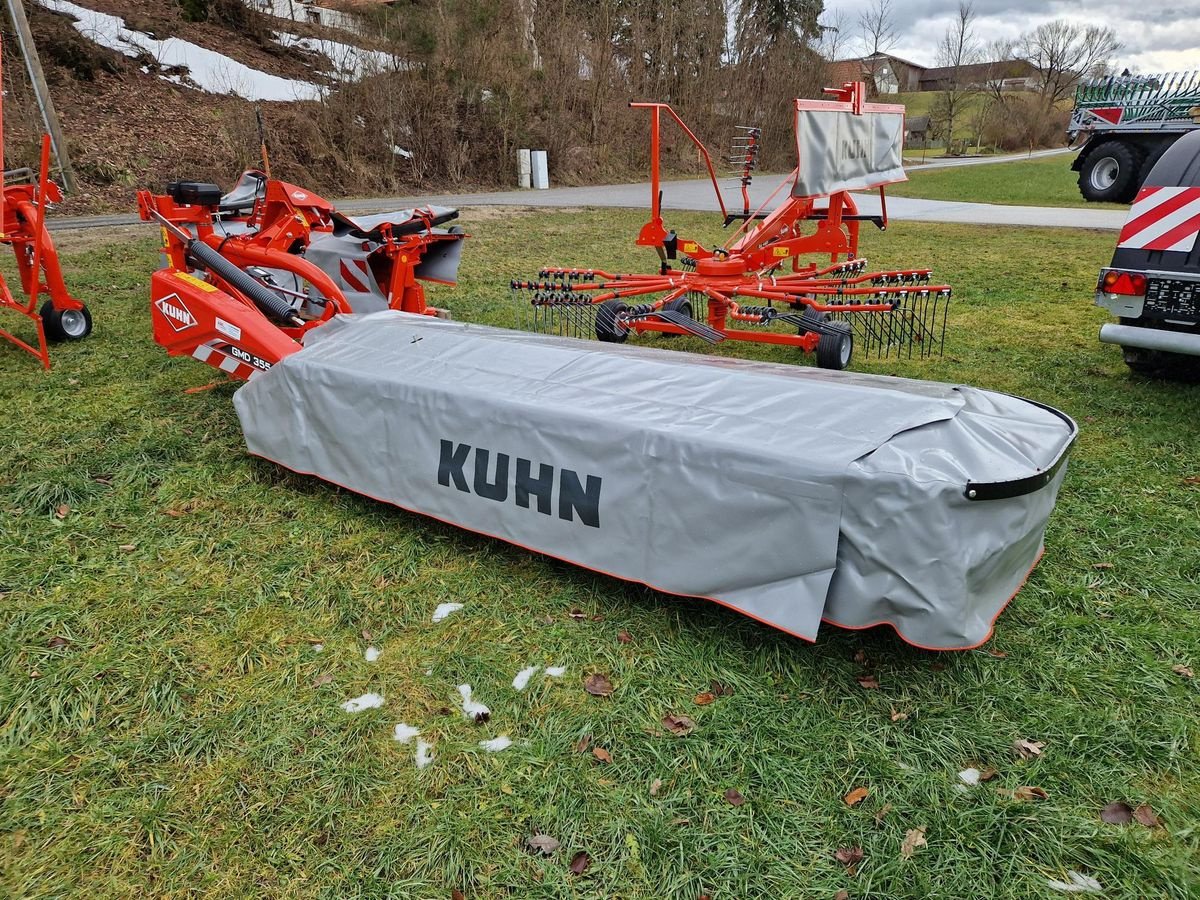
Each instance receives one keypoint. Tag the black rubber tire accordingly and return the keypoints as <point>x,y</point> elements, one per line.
<point>1097,167</point>
<point>679,304</point>
<point>835,348</point>
<point>65,325</point>
<point>608,329</point>
<point>1159,363</point>
<point>811,315</point>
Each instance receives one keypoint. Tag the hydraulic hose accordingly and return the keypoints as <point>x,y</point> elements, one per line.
<point>263,297</point>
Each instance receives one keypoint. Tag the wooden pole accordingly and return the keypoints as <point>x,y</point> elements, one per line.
<point>37,77</point>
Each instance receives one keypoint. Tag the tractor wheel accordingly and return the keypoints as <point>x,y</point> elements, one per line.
<point>65,324</point>
<point>681,305</point>
<point>1111,173</point>
<point>608,325</point>
<point>835,346</point>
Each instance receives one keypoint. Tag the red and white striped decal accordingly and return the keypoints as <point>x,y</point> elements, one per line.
<point>1163,218</point>
<point>219,359</point>
<point>350,278</point>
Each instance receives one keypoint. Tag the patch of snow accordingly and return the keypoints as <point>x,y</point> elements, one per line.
<point>208,70</point>
<point>400,151</point>
<point>405,733</point>
<point>429,671</point>
<point>472,709</point>
<point>317,648</point>
<point>495,745</point>
<point>1079,884</point>
<point>444,609</point>
<point>366,701</point>
<point>969,776</point>
<point>522,679</point>
<point>349,62</point>
<point>556,671</point>
<point>424,754</point>
<point>372,654</point>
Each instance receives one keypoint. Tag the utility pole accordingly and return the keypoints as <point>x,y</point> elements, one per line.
<point>41,90</point>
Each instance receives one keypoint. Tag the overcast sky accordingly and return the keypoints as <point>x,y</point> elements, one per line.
<point>1156,35</point>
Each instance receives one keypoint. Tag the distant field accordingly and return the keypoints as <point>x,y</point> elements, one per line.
<point>1046,181</point>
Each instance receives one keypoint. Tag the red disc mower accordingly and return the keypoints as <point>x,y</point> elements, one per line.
<point>250,272</point>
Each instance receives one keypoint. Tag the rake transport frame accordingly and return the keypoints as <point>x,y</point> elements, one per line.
<point>828,306</point>
<point>23,220</point>
<point>223,295</point>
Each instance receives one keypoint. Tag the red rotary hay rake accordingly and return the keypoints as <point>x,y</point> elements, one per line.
<point>23,219</point>
<point>740,290</point>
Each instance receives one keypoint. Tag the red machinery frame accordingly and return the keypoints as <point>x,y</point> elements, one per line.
<point>23,220</point>
<point>748,266</point>
<point>205,304</point>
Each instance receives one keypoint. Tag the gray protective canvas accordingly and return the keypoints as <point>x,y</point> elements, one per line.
<point>841,151</point>
<point>789,493</point>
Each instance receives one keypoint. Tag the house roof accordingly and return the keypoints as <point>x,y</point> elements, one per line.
<point>1004,68</point>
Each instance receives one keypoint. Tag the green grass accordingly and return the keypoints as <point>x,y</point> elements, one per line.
<point>1046,181</point>
<point>181,742</point>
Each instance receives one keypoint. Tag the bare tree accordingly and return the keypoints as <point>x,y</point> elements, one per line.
<point>957,51</point>
<point>834,35</point>
<point>878,34</point>
<point>1063,53</point>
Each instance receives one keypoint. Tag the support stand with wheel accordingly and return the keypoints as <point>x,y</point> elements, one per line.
<point>23,219</point>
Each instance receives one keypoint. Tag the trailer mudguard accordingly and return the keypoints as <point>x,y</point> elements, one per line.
<point>790,494</point>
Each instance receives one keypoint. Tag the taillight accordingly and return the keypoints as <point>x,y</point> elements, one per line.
<point>1131,284</point>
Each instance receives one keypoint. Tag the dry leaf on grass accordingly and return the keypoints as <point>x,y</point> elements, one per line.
<point>860,657</point>
<point>856,796</point>
<point>456,894</point>
<point>598,685</point>
<point>57,642</point>
<point>898,716</point>
<point>999,654</point>
<point>579,862</point>
<point>678,725</point>
<point>1028,749</point>
<point>703,699</point>
<point>849,857</point>
<point>870,682</point>
<point>1146,816</point>
<point>583,743</point>
<point>62,512</point>
<point>322,679</point>
<point>914,838</point>
<point>721,690</point>
<point>624,636</point>
<point>1026,793</point>
<point>842,895</point>
<point>734,796</point>
<point>577,614</point>
<point>542,843</point>
<point>1104,565</point>
<point>601,754</point>
<point>1117,813</point>
<point>883,811</point>
<point>655,787</point>
<point>1183,671</point>
<point>127,548</point>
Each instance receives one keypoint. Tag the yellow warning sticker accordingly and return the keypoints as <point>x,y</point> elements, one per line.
<point>690,246</point>
<point>783,251</point>
<point>196,282</point>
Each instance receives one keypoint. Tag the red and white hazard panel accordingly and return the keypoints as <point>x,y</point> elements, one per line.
<point>356,275</point>
<point>1163,218</point>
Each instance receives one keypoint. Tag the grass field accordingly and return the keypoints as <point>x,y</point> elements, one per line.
<point>1047,181</point>
<point>168,728</point>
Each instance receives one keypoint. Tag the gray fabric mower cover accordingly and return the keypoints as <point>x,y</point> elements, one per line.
<point>791,494</point>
